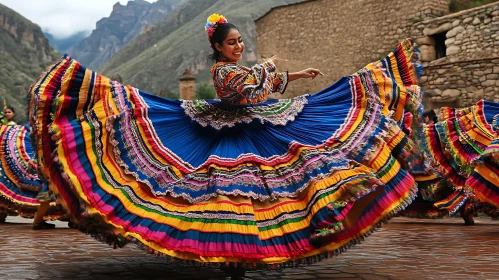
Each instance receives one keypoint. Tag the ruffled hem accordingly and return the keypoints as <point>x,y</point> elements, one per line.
<point>296,199</point>
<point>463,146</point>
<point>28,211</point>
<point>20,186</point>
<point>118,241</point>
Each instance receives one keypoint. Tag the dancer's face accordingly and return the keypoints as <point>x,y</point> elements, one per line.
<point>232,47</point>
<point>9,115</point>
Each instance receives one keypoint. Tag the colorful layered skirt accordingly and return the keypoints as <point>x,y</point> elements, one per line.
<point>275,184</point>
<point>21,190</point>
<point>463,147</point>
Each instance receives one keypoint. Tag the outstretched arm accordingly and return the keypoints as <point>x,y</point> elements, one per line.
<point>304,74</point>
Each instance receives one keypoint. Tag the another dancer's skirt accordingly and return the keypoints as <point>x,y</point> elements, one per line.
<point>21,190</point>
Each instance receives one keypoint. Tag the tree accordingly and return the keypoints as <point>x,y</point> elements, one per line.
<point>205,91</point>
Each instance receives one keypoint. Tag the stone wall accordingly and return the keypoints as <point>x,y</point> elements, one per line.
<point>461,83</point>
<point>432,8</point>
<point>470,70</point>
<point>338,37</point>
<point>460,51</point>
<point>470,34</point>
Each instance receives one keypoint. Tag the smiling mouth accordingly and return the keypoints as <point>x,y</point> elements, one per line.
<point>237,53</point>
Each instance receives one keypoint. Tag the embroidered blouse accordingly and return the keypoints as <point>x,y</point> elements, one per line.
<point>237,84</point>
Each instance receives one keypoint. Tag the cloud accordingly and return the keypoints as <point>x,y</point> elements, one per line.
<point>63,18</point>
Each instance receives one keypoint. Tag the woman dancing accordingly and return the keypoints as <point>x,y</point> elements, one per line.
<point>240,182</point>
<point>21,191</point>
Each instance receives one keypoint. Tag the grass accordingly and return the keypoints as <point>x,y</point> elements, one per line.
<point>461,5</point>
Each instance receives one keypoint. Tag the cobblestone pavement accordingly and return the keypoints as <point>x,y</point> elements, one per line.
<point>403,249</point>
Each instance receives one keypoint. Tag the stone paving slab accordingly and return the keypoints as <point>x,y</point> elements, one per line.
<point>403,249</point>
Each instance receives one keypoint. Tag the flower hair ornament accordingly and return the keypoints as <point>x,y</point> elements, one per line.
<point>212,23</point>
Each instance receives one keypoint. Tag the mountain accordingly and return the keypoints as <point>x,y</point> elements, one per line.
<point>117,30</point>
<point>155,60</point>
<point>24,54</point>
<point>63,45</point>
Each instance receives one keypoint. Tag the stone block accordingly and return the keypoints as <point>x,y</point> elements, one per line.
<point>454,31</point>
<point>479,94</point>
<point>428,53</point>
<point>450,41</point>
<point>489,83</point>
<point>478,73</point>
<point>451,93</point>
<point>436,92</point>
<point>452,50</point>
<point>439,81</point>
<point>456,22</point>
<point>496,70</point>
<point>442,28</point>
<point>425,41</point>
<point>471,89</point>
<point>476,21</point>
<point>468,19</point>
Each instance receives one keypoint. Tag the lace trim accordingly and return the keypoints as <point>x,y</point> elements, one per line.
<point>211,114</point>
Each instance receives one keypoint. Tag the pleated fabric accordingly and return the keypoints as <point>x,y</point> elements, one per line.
<point>463,146</point>
<point>20,187</point>
<point>275,184</point>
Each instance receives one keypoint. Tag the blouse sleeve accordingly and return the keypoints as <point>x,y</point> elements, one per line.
<point>254,84</point>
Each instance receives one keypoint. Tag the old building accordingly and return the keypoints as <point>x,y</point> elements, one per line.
<point>461,56</point>
<point>460,51</point>
<point>187,86</point>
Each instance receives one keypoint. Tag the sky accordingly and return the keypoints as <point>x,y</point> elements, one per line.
<point>63,18</point>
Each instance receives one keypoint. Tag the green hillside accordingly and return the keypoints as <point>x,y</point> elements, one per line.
<point>24,54</point>
<point>156,59</point>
